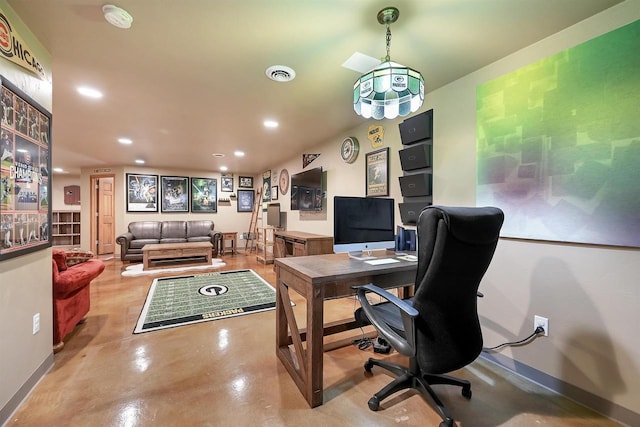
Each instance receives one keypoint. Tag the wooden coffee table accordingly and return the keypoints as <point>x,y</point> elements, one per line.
<point>191,253</point>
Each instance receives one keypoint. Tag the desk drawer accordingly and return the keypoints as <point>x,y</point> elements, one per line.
<point>299,249</point>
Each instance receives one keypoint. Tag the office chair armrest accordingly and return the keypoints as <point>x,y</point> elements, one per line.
<point>404,345</point>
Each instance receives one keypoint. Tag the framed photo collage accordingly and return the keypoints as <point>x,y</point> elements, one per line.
<point>25,162</point>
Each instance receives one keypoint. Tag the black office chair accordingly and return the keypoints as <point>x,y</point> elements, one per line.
<point>438,328</point>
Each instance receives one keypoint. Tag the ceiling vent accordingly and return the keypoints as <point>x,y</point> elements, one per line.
<point>280,73</point>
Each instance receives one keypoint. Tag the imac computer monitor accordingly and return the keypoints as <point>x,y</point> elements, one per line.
<point>362,224</point>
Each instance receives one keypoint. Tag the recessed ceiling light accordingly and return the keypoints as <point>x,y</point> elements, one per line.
<point>125,141</point>
<point>117,16</point>
<point>218,155</point>
<point>89,92</point>
<point>140,161</point>
<point>238,153</point>
<point>59,170</point>
<point>224,168</point>
<point>270,124</point>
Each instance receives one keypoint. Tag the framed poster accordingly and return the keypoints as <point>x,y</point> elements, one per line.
<point>175,194</point>
<point>142,193</point>
<point>245,200</point>
<point>25,161</point>
<point>266,186</point>
<point>377,173</point>
<point>274,192</point>
<point>226,183</point>
<point>245,182</point>
<point>204,195</point>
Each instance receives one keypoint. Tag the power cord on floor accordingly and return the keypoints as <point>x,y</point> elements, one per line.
<point>539,330</point>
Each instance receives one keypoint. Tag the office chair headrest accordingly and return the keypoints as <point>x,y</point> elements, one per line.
<point>473,225</point>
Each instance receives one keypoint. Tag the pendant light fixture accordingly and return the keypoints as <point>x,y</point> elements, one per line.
<point>390,89</point>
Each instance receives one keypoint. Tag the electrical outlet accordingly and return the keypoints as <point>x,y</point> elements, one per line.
<point>543,322</point>
<point>36,323</point>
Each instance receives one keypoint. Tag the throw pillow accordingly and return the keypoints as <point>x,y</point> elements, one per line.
<point>77,256</point>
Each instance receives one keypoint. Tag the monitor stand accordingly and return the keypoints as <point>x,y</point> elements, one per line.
<point>361,255</point>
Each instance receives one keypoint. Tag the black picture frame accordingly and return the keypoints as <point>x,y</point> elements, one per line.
<point>245,182</point>
<point>142,192</point>
<point>226,183</point>
<point>174,193</point>
<point>377,173</point>
<point>246,200</point>
<point>204,195</point>
<point>25,184</point>
<point>274,192</point>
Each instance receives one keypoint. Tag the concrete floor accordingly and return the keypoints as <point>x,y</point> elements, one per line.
<point>225,372</point>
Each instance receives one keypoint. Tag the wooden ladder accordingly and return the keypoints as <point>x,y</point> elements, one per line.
<point>249,243</point>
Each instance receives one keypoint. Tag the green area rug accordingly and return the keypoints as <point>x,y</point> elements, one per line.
<point>177,301</point>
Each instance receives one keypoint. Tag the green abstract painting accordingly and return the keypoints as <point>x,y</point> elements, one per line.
<point>558,144</point>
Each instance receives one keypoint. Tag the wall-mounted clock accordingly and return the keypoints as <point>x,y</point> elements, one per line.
<point>349,149</point>
<point>283,181</point>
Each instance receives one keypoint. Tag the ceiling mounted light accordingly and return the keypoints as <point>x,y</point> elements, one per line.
<point>116,16</point>
<point>89,92</point>
<point>390,89</point>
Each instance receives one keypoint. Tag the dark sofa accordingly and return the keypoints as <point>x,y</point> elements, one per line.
<point>151,232</point>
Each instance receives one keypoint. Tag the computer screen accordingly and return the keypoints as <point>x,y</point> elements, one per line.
<point>306,190</point>
<point>362,224</point>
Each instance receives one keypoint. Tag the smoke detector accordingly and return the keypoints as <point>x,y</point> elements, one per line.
<point>116,16</point>
<point>280,73</point>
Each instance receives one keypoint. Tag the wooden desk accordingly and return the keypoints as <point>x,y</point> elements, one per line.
<point>299,243</point>
<point>188,253</point>
<point>317,278</point>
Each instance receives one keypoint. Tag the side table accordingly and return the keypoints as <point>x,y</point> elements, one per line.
<point>232,237</point>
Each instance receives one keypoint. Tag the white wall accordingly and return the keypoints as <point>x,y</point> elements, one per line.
<point>25,281</point>
<point>589,293</point>
<point>57,191</point>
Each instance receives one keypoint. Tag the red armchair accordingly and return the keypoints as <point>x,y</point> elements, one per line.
<point>71,298</point>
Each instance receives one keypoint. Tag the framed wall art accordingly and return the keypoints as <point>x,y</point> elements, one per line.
<point>377,173</point>
<point>274,192</point>
<point>175,194</point>
<point>226,183</point>
<point>245,200</point>
<point>245,182</point>
<point>142,193</point>
<point>204,195</point>
<point>266,186</point>
<point>25,161</point>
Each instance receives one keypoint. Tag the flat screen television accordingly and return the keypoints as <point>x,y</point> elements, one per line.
<point>306,190</point>
<point>273,215</point>
<point>362,224</point>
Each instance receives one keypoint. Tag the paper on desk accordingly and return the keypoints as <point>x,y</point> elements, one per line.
<point>381,261</point>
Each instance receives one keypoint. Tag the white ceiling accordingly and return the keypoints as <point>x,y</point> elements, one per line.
<point>188,79</point>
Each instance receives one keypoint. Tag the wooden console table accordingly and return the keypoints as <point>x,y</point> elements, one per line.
<point>196,252</point>
<point>298,243</point>
<point>317,278</point>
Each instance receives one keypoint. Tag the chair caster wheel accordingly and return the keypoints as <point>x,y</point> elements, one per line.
<point>368,366</point>
<point>374,403</point>
<point>447,423</point>
<point>466,392</point>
